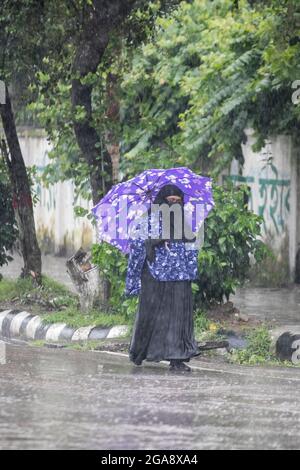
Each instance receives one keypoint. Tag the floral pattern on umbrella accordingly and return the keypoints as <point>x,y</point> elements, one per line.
<point>121,207</point>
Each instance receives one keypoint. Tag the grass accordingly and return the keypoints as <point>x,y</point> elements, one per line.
<point>257,352</point>
<point>55,303</point>
<point>75,318</point>
<point>205,329</point>
<point>10,289</point>
<point>23,290</point>
<point>90,345</point>
<point>258,349</point>
<point>83,345</point>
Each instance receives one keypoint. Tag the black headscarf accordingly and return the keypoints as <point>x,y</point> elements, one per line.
<point>161,198</point>
<point>167,190</point>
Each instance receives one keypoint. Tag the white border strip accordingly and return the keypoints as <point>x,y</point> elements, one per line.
<point>82,333</point>
<point>54,331</point>
<point>2,316</point>
<point>117,331</point>
<point>17,322</point>
<point>32,326</point>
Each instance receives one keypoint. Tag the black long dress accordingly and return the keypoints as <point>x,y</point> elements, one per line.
<point>163,328</point>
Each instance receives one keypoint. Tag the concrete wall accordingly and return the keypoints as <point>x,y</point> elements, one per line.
<point>58,230</point>
<point>272,176</point>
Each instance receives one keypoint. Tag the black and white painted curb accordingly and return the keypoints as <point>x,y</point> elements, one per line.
<point>285,343</point>
<point>24,325</point>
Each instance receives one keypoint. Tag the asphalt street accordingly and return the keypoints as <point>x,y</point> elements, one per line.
<point>64,399</point>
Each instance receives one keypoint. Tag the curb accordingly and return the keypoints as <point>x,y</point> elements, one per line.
<point>24,325</point>
<point>285,343</point>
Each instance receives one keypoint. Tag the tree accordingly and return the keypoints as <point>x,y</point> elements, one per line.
<point>67,55</point>
<point>14,23</point>
<point>22,201</point>
<point>213,69</point>
<point>8,228</point>
<point>102,17</point>
<point>94,85</point>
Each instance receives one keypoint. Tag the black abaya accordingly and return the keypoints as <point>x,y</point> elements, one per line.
<point>163,328</point>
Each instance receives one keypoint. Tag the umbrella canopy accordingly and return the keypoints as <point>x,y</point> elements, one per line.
<point>127,201</point>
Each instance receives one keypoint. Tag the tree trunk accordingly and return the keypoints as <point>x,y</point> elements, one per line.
<point>113,116</point>
<point>22,201</point>
<point>87,281</point>
<point>102,17</point>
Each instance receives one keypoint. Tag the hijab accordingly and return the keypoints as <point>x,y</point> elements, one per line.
<point>161,198</point>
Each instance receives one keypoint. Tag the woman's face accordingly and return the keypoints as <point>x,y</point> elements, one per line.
<point>173,199</point>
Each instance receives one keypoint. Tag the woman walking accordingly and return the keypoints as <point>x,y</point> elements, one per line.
<point>161,270</point>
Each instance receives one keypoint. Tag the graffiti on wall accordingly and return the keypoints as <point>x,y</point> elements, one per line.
<point>273,199</point>
<point>275,196</point>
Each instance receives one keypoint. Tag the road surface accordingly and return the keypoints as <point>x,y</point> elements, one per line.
<point>64,399</point>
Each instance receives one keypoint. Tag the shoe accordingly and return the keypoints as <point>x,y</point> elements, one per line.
<point>135,361</point>
<point>177,365</point>
<point>138,363</point>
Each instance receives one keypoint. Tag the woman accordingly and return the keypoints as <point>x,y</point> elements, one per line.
<point>161,270</point>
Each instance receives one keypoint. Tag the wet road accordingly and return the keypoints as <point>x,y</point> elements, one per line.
<point>63,399</point>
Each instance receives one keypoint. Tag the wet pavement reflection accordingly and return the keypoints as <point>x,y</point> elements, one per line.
<point>63,399</point>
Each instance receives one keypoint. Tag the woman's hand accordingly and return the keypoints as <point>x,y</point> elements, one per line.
<point>167,246</point>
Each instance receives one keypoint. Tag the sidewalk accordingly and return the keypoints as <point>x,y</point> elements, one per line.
<point>279,306</point>
<point>53,266</point>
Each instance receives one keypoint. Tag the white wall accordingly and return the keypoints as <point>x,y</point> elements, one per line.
<point>58,230</point>
<point>272,176</point>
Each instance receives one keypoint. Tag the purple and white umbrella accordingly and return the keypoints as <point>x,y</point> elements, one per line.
<point>128,200</point>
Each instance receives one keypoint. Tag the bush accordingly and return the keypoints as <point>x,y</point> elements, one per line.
<point>113,264</point>
<point>230,240</point>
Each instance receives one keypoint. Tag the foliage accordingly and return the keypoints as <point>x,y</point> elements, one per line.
<point>201,322</point>
<point>52,86</point>
<point>230,242</point>
<point>73,317</point>
<point>113,265</point>
<point>8,227</point>
<point>192,75</point>
<point>258,348</point>
<point>205,329</point>
<point>189,77</point>
<point>55,302</point>
<point>49,295</point>
<point>212,70</point>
